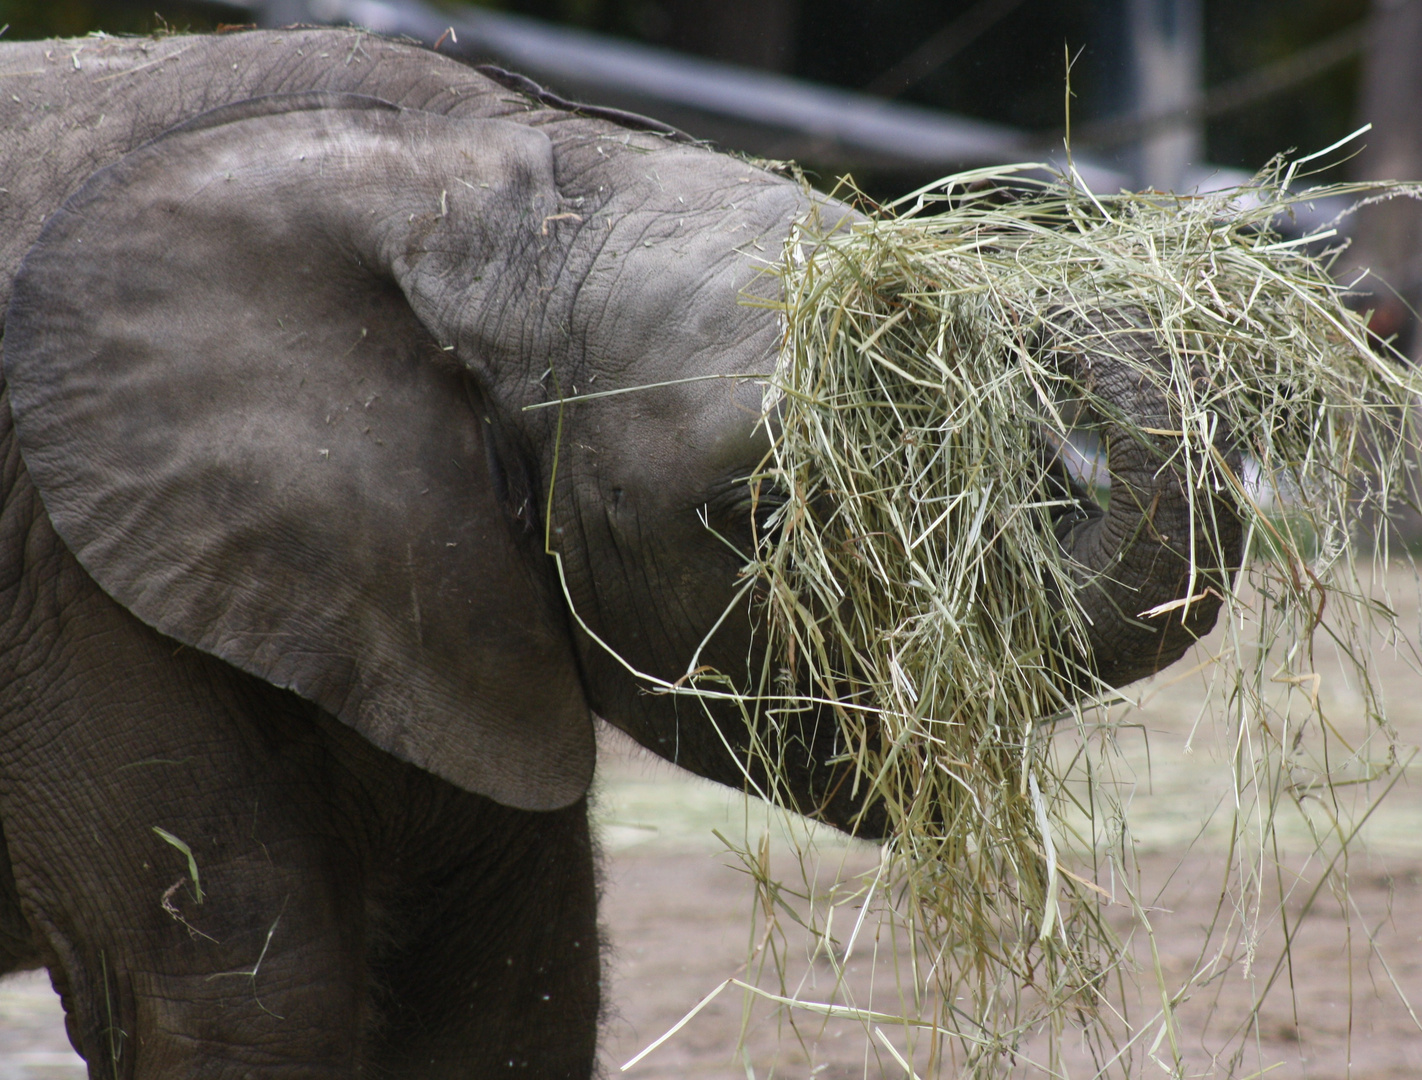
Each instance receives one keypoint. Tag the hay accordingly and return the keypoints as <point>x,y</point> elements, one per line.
<point>911,572</point>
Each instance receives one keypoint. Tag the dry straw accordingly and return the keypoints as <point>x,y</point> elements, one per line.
<point>913,575</point>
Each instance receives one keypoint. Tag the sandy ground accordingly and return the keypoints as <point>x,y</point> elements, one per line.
<point>678,908</point>
<point>676,939</point>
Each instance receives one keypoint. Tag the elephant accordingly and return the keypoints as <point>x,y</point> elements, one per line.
<point>306,614</point>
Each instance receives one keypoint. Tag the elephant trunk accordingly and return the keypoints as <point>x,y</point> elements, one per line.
<point>1153,570</point>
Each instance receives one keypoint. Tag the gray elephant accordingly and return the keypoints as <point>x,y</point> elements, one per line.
<point>295,707</point>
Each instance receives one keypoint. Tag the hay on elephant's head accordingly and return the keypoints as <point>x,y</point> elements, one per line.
<point>913,574</point>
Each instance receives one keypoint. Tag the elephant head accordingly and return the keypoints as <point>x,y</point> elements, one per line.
<point>282,376</point>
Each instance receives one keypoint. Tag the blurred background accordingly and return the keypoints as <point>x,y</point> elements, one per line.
<point>1171,94</point>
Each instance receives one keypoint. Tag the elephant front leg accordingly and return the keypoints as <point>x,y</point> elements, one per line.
<point>255,989</point>
<point>226,882</point>
<point>357,917</point>
<point>174,856</point>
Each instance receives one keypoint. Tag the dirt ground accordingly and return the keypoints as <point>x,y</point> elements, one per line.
<point>679,924</point>
<point>677,910</point>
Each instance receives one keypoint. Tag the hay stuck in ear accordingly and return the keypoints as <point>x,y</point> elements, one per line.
<point>938,402</point>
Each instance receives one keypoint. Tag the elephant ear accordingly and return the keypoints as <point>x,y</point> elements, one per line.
<point>248,437</point>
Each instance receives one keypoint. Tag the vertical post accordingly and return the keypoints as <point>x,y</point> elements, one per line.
<point>1167,54</point>
<point>1388,239</point>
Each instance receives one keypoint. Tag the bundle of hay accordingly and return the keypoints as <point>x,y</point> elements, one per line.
<point>937,409</point>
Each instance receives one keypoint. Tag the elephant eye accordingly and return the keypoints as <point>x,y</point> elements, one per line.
<point>763,500</point>
<point>747,510</point>
<point>765,503</point>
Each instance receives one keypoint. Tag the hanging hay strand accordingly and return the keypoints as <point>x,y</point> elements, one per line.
<point>941,359</point>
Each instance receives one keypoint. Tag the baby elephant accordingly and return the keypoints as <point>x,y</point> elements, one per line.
<point>304,612</point>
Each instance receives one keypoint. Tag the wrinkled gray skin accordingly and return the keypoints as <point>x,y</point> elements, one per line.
<point>272,569</point>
